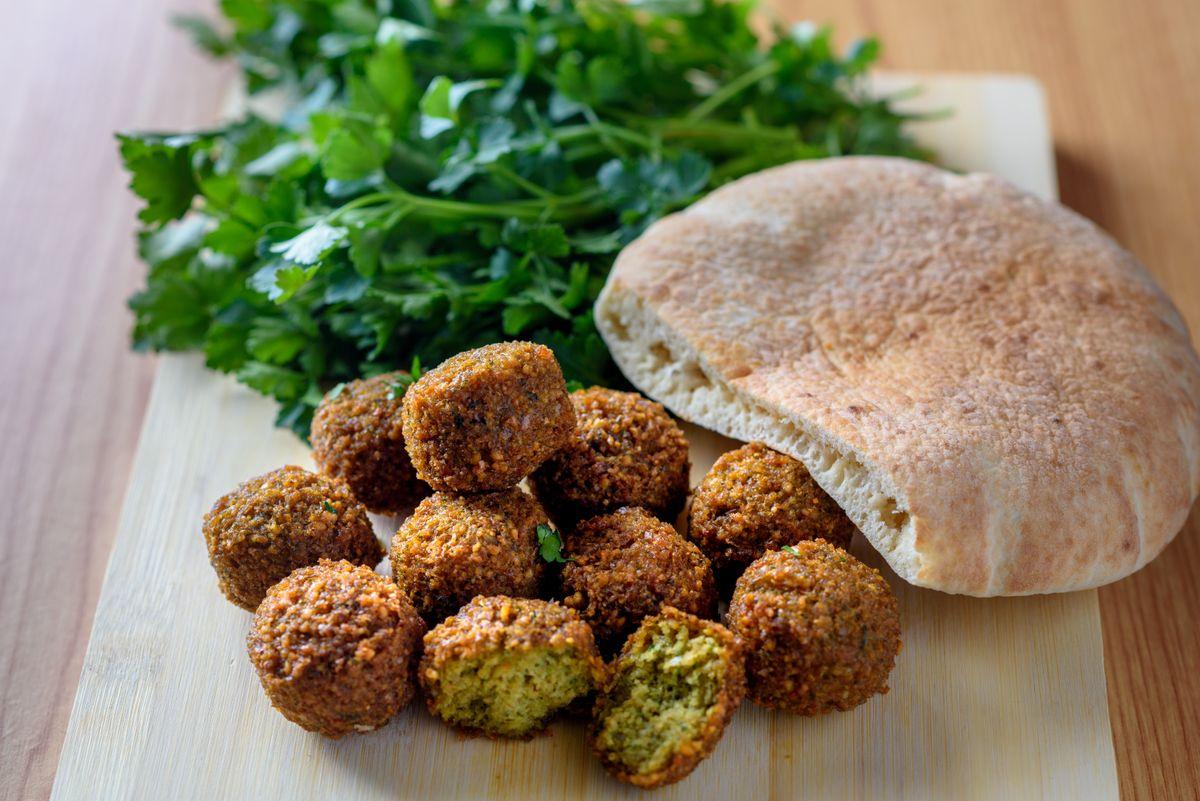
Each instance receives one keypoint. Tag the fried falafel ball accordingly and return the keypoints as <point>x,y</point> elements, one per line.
<point>486,418</point>
<point>756,500</point>
<point>455,547</point>
<point>282,520</point>
<point>334,645</point>
<point>821,629</point>
<point>504,666</point>
<point>627,451</point>
<point>357,436</point>
<point>670,694</point>
<point>627,565</point>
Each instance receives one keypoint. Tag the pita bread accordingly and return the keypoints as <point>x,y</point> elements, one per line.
<point>998,395</point>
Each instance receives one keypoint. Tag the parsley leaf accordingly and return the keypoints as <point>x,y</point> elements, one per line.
<point>275,341</point>
<point>280,281</point>
<point>550,544</point>
<point>161,175</point>
<point>402,382</point>
<point>439,106</point>
<point>312,244</point>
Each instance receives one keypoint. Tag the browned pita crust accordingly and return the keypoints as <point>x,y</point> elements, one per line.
<point>999,396</point>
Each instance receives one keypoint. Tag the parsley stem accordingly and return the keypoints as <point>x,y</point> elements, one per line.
<point>600,129</point>
<point>430,207</point>
<point>630,136</point>
<point>570,133</point>
<point>582,196</point>
<point>456,209</point>
<point>731,89</point>
<point>584,151</point>
<point>714,134</point>
<point>358,202</point>
<point>605,135</point>
<point>437,207</point>
<point>529,186</point>
<point>433,262</point>
<point>727,133</point>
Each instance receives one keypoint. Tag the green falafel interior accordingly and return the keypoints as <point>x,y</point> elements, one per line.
<point>512,693</point>
<point>675,686</point>
<point>503,666</point>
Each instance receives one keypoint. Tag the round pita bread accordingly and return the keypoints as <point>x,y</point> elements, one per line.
<point>998,395</point>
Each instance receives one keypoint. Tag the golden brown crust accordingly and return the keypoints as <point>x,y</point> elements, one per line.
<point>357,436</point>
<point>334,647</point>
<point>626,565</point>
<point>627,451</point>
<point>455,547</point>
<point>279,521</point>
<point>486,418</point>
<point>821,629</point>
<point>691,753</point>
<point>1003,400</point>
<point>756,500</point>
<point>502,623</point>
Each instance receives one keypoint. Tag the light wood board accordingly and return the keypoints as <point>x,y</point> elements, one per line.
<point>991,698</point>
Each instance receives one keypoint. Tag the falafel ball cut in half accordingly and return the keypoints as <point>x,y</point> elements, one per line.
<point>756,500</point>
<point>504,666</point>
<point>626,451</point>
<point>454,547</point>
<point>335,645</point>
<point>629,564</point>
<point>486,418</point>
<point>671,692</point>
<point>357,436</point>
<point>821,629</point>
<point>282,520</point>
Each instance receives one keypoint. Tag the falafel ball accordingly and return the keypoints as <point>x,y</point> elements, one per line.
<point>627,565</point>
<point>504,666</point>
<point>282,520</point>
<point>486,418</point>
<point>357,436</point>
<point>756,500</point>
<point>821,629</point>
<point>455,547</point>
<point>671,692</point>
<point>334,647</point>
<point>627,451</point>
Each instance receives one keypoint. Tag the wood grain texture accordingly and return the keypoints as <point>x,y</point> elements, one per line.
<point>1123,87</point>
<point>74,395</point>
<point>166,685</point>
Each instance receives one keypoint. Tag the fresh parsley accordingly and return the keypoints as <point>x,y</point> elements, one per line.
<point>432,177</point>
<point>550,544</point>
<point>329,507</point>
<point>402,382</point>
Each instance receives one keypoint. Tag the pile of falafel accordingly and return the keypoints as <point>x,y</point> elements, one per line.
<point>507,607</point>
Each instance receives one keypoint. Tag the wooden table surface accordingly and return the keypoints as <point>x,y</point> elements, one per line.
<point>1123,86</point>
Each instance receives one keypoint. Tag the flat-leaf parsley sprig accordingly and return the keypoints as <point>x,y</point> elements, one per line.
<point>550,544</point>
<point>441,176</point>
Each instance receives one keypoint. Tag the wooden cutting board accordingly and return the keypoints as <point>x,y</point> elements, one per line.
<point>990,698</point>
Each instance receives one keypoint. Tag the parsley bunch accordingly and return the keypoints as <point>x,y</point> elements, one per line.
<point>432,177</point>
